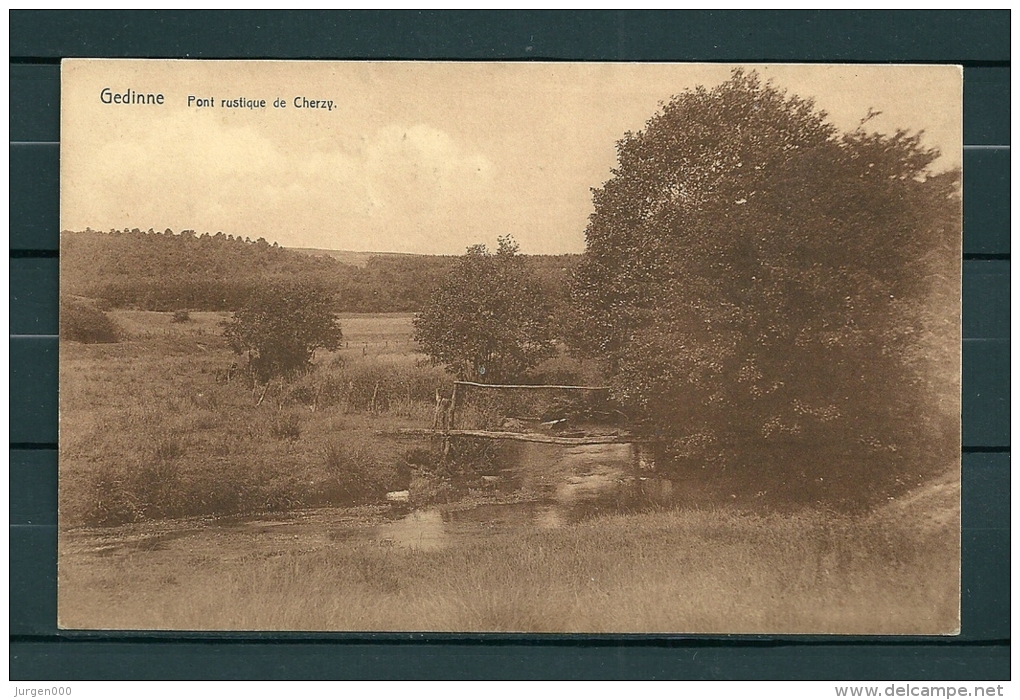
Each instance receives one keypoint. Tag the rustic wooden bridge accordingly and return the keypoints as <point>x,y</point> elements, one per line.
<point>446,415</point>
<point>523,437</point>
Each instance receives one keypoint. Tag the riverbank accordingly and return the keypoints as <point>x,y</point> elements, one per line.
<point>670,571</point>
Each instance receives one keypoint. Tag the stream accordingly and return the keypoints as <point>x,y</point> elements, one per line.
<point>563,485</point>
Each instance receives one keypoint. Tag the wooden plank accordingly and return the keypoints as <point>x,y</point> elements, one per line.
<point>531,386</point>
<point>523,437</point>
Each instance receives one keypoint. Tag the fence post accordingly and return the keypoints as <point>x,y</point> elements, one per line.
<point>453,408</point>
<point>449,423</point>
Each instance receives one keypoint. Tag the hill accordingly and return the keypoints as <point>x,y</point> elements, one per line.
<point>155,271</point>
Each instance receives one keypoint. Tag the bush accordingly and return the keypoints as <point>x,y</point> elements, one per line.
<point>84,323</point>
<point>356,473</point>
<point>478,455</point>
<point>422,457</point>
<point>157,489</point>
<point>168,446</point>
<point>430,488</point>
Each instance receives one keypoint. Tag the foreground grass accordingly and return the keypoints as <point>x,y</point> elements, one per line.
<point>691,571</point>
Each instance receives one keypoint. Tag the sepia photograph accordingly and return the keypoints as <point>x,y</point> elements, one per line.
<point>515,347</point>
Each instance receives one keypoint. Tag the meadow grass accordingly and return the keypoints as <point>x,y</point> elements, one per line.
<point>151,428</point>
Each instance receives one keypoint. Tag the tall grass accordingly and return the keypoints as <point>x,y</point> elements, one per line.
<point>370,385</point>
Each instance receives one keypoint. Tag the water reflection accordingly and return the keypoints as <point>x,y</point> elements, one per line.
<point>569,485</point>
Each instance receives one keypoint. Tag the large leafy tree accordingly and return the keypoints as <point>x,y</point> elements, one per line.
<point>488,320</point>
<point>758,283</point>
<point>280,327</point>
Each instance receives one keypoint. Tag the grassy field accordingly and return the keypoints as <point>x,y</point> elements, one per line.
<point>184,505</point>
<point>151,427</point>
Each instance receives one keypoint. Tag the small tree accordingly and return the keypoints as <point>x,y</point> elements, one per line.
<point>280,326</point>
<point>488,320</point>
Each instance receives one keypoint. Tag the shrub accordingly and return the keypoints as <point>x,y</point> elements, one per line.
<point>157,489</point>
<point>429,487</point>
<point>168,447</point>
<point>356,473</point>
<point>84,323</point>
<point>422,457</point>
<point>366,386</point>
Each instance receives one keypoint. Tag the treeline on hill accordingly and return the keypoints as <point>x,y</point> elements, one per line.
<point>167,271</point>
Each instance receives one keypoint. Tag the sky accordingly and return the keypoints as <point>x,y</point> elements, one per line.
<point>413,157</point>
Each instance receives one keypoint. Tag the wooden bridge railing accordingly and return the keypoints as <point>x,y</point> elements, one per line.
<point>444,425</point>
<point>522,437</point>
<point>450,423</point>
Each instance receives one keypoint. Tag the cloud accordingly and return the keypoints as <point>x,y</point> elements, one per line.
<point>419,177</point>
<point>373,192</point>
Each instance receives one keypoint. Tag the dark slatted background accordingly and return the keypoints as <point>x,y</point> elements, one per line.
<point>979,40</point>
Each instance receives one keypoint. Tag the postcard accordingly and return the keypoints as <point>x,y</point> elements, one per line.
<point>593,348</point>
